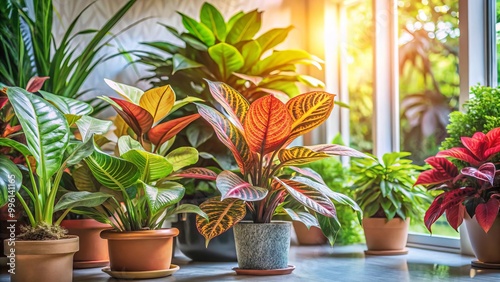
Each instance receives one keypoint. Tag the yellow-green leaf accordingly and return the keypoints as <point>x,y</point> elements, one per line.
<point>299,155</point>
<point>158,101</point>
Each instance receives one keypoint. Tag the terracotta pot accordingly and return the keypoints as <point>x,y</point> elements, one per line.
<point>92,247</point>
<point>50,260</point>
<point>311,236</point>
<point>383,235</point>
<point>146,250</point>
<point>262,246</point>
<point>486,246</point>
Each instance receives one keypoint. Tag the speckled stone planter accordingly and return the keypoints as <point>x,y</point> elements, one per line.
<point>262,245</point>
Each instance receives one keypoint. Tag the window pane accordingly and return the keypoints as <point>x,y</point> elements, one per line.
<point>429,81</point>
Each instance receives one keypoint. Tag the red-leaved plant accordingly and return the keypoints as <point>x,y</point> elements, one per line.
<point>257,135</point>
<point>473,186</point>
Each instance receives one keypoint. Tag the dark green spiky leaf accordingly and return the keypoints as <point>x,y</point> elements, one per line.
<point>151,166</point>
<point>212,18</point>
<point>199,30</point>
<point>67,105</point>
<point>10,179</point>
<point>231,185</point>
<point>182,157</point>
<point>162,195</point>
<point>81,199</point>
<point>227,58</point>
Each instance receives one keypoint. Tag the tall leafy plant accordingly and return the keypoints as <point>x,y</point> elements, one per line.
<point>257,134</point>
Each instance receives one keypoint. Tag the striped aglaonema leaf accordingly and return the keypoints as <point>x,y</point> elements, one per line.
<point>299,155</point>
<point>112,172</point>
<point>162,195</point>
<point>45,128</point>
<point>229,135</point>
<point>165,131</point>
<point>196,173</point>
<point>231,185</point>
<point>267,125</point>
<point>308,196</point>
<point>158,101</point>
<point>232,101</point>
<point>67,106</point>
<point>81,199</point>
<point>308,219</point>
<point>337,150</point>
<point>139,120</point>
<point>308,111</point>
<point>132,94</point>
<point>330,226</point>
<point>222,215</point>
<point>151,166</point>
<point>308,172</point>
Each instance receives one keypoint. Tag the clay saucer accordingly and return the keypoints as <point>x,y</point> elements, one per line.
<point>90,264</point>
<point>480,264</point>
<point>141,274</point>
<point>386,253</point>
<point>264,272</point>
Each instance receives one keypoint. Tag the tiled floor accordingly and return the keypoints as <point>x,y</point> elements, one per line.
<point>340,263</point>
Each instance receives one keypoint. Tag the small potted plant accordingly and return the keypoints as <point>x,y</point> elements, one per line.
<point>385,191</point>
<point>139,179</point>
<point>48,151</point>
<point>257,134</point>
<point>470,183</point>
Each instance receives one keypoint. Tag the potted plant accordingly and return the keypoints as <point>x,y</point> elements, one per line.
<point>140,183</point>
<point>470,186</point>
<point>48,151</point>
<point>257,134</point>
<point>385,191</point>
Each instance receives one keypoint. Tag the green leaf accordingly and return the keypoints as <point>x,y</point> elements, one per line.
<point>164,46</point>
<point>112,172</point>
<point>330,227</point>
<point>198,134</point>
<point>151,166</point>
<point>20,147</point>
<point>181,103</point>
<point>89,126</point>
<point>384,187</point>
<point>132,94</point>
<point>251,52</point>
<point>199,30</point>
<point>213,19</point>
<point>304,217</point>
<point>279,59</point>
<point>182,157</point>
<point>84,180</point>
<point>310,81</point>
<point>233,19</point>
<point>188,208</point>
<point>231,185</point>
<point>81,199</point>
<point>181,63</point>
<point>273,37</point>
<point>245,27</point>
<point>163,195</point>
<point>77,151</point>
<point>127,143</point>
<point>45,128</point>
<point>67,105</point>
<point>10,179</point>
<point>227,58</point>
<point>194,42</point>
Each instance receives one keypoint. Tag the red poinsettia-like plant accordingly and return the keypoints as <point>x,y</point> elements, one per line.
<point>258,135</point>
<point>474,188</point>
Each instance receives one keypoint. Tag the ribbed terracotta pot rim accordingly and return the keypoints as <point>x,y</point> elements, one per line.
<point>274,222</point>
<point>138,235</point>
<point>84,224</point>
<point>35,247</point>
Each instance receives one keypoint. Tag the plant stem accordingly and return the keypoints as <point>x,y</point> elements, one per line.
<point>26,209</point>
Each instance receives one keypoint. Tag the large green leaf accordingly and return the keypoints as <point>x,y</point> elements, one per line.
<point>88,126</point>
<point>245,27</point>
<point>280,59</point>
<point>304,217</point>
<point>133,94</point>
<point>45,128</point>
<point>77,151</point>
<point>231,185</point>
<point>11,179</point>
<point>273,37</point>
<point>151,166</point>
<point>180,62</point>
<point>163,195</point>
<point>67,105</point>
<point>112,172</point>
<point>199,30</point>
<point>84,180</point>
<point>182,157</point>
<point>188,208</point>
<point>20,147</point>
<point>81,199</point>
<point>222,215</point>
<point>251,52</point>
<point>198,133</point>
<point>214,20</point>
<point>227,58</point>
<point>127,143</point>
<point>330,227</point>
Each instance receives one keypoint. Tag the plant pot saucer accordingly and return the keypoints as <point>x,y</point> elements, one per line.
<point>386,252</point>
<point>89,263</point>
<point>141,274</point>
<point>480,264</point>
<point>264,272</point>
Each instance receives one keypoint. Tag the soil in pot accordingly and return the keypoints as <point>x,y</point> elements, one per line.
<point>45,260</point>
<point>486,246</point>
<point>262,246</point>
<point>93,249</point>
<point>386,237</point>
<point>147,250</point>
<point>311,236</point>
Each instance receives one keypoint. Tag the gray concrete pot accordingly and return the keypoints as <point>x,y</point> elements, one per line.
<point>262,245</point>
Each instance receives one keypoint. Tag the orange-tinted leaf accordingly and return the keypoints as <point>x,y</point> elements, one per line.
<point>121,127</point>
<point>136,117</point>
<point>229,135</point>
<point>11,129</point>
<point>163,132</point>
<point>35,83</point>
<point>308,111</point>
<point>267,125</point>
<point>158,101</point>
<point>231,100</point>
<point>299,155</point>
<point>222,215</point>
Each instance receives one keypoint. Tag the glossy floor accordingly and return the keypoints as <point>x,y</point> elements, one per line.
<point>341,263</point>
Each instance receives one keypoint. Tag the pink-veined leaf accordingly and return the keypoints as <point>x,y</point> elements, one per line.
<point>232,186</point>
<point>337,150</point>
<point>308,172</point>
<point>485,172</point>
<point>231,100</point>
<point>486,213</point>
